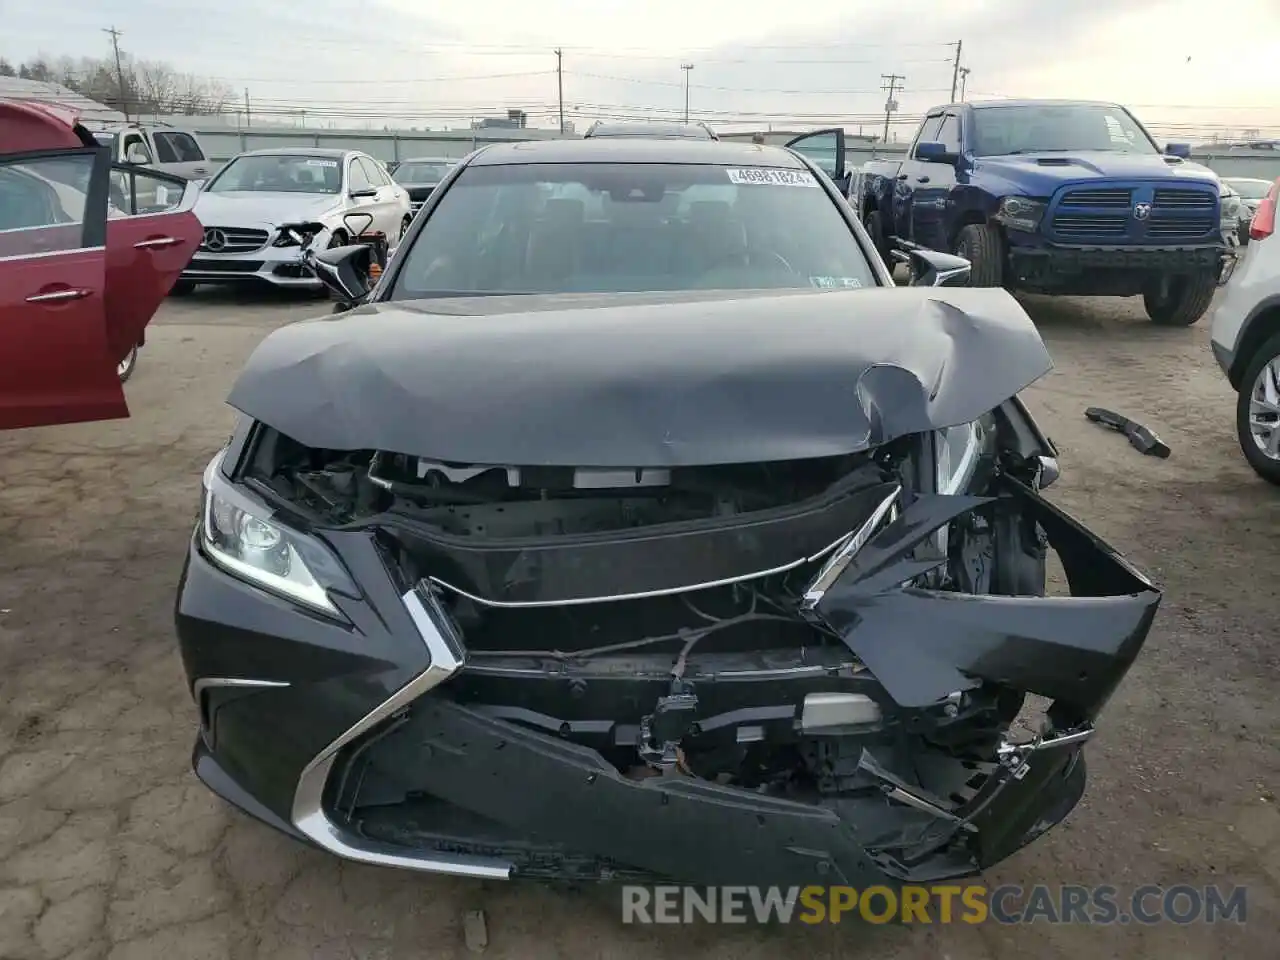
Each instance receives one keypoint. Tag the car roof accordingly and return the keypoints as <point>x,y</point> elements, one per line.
<point>691,131</point>
<point>32,125</point>
<point>636,150</point>
<point>333,152</point>
<point>985,104</point>
<point>426,160</point>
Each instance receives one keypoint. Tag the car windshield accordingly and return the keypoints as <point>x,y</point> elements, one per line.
<point>278,173</point>
<point>1066,127</point>
<point>611,228</point>
<point>1250,189</point>
<point>412,172</point>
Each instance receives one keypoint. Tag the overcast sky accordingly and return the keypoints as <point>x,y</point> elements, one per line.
<point>788,64</point>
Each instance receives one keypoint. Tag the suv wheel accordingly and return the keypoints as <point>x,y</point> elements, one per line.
<point>1258,411</point>
<point>1183,301</point>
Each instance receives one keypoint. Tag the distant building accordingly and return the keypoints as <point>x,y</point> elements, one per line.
<point>514,120</point>
<point>20,89</point>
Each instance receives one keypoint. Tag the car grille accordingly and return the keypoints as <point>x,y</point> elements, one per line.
<point>1111,215</point>
<point>225,266</point>
<point>235,240</point>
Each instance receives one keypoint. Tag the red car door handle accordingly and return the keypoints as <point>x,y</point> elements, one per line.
<point>156,242</point>
<point>59,295</point>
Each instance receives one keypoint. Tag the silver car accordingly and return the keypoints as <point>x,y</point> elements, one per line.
<point>257,206</point>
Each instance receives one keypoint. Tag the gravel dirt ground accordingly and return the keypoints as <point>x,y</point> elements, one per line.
<point>109,847</point>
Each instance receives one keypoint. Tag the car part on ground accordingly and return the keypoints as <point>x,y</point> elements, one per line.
<point>758,572</point>
<point>1055,197</point>
<point>88,251</point>
<point>124,369</point>
<point>1140,438</point>
<point>1245,337</point>
<point>262,200</point>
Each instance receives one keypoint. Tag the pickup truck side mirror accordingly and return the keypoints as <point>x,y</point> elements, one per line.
<point>1181,150</point>
<point>930,151</point>
<point>136,156</point>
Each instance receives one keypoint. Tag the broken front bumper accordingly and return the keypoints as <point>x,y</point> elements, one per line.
<point>292,703</point>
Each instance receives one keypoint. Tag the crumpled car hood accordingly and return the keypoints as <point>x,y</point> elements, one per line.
<point>242,207</point>
<point>631,380</point>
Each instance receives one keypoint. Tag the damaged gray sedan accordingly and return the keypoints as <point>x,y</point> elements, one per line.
<point>636,527</point>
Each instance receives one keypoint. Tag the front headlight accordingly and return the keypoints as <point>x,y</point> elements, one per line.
<point>306,231</point>
<point>1021,213</point>
<point>1230,208</point>
<point>957,452</point>
<point>238,535</point>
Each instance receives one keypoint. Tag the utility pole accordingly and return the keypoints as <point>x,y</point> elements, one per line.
<point>964,76</point>
<point>560,84</point>
<point>890,105</point>
<point>955,73</point>
<point>115,45</point>
<point>247,119</point>
<point>686,67</point>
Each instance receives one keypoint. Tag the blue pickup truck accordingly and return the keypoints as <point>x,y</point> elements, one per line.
<point>1049,196</point>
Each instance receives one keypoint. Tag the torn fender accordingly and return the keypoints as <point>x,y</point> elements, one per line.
<point>924,645</point>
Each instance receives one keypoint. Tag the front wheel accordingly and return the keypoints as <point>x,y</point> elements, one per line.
<point>1181,300</point>
<point>124,369</point>
<point>1258,411</point>
<point>874,223</point>
<point>983,246</point>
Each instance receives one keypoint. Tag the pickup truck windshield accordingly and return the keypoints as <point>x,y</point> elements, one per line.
<point>279,173</point>
<point>1058,127</point>
<point>631,227</point>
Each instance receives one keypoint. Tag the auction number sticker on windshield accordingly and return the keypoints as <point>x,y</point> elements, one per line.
<point>322,163</point>
<point>771,177</point>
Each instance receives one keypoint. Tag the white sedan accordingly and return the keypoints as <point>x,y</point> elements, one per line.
<point>256,204</point>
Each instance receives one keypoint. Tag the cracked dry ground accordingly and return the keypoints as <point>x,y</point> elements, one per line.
<point>110,848</point>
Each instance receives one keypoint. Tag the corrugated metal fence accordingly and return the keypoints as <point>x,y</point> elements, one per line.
<point>222,144</point>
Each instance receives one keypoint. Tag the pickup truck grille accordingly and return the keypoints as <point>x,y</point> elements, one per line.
<point>1137,213</point>
<point>1117,198</point>
<point>234,239</point>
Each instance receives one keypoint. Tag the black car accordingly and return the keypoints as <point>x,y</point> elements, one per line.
<point>636,526</point>
<point>419,176</point>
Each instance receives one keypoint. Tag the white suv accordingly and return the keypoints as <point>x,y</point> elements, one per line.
<point>1245,331</point>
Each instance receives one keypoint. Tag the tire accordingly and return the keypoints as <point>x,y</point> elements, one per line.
<point>1266,360</point>
<point>983,246</point>
<point>1188,297</point>
<point>874,223</point>
<point>183,288</point>
<point>124,369</point>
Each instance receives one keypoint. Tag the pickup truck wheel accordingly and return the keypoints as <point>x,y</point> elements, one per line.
<point>1258,411</point>
<point>982,245</point>
<point>1183,301</point>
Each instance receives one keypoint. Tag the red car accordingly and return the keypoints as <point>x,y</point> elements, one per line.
<point>88,250</point>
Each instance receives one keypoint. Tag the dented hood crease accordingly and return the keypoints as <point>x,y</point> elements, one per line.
<point>624,380</point>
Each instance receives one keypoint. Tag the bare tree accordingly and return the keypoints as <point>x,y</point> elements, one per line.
<point>7,68</point>
<point>157,85</point>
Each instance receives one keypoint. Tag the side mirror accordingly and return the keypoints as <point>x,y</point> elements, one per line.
<point>136,157</point>
<point>931,151</point>
<point>345,270</point>
<point>364,192</point>
<point>929,268</point>
<point>1180,150</point>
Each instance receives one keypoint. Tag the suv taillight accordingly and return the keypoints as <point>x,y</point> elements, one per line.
<point>1264,221</point>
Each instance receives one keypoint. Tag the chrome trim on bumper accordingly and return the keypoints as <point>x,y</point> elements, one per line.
<point>204,683</point>
<point>309,815</point>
